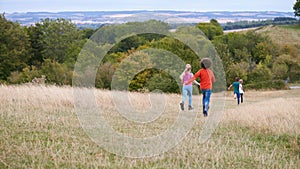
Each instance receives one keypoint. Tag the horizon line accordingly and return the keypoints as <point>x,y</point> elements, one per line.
<point>146,10</point>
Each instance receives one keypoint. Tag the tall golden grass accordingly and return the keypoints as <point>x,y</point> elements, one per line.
<point>39,129</point>
<point>275,111</point>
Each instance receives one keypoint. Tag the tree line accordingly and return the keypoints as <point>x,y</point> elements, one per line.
<point>253,24</point>
<point>51,47</point>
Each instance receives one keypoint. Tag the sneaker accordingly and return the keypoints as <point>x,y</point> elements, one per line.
<point>191,107</point>
<point>205,113</point>
<point>204,108</point>
<point>182,106</point>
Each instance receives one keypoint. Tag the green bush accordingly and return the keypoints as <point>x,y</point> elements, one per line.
<point>270,84</point>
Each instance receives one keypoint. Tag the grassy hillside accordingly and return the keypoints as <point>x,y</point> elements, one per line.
<point>282,35</point>
<point>39,129</point>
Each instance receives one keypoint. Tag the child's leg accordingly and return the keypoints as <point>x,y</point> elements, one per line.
<point>184,93</point>
<point>189,92</point>
<point>242,99</point>
<point>238,98</point>
<point>205,101</point>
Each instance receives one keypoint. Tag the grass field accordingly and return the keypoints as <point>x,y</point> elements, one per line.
<point>282,35</point>
<point>294,27</point>
<point>39,129</point>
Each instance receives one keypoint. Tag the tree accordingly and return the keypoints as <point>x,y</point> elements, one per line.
<point>287,65</point>
<point>104,75</point>
<point>124,77</point>
<point>14,45</point>
<point>211,29</point>
<point>56,73</point>
<point>27,74</point>
<point>237,70</point>
<point>297,8</point>
<point>58,40</point>
<point>162,81</point>
<point>260,74</point>
<point>37,45</point>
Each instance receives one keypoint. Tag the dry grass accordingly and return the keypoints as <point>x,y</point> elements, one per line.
<point>39,129</point>
<point>276,115</point>
<point>282,35</point>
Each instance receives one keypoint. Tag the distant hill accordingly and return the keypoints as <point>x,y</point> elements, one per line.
<point>282,35</point>
<point>96,18</point>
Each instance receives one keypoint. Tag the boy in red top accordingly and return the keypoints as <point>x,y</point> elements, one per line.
<point>207,78</point>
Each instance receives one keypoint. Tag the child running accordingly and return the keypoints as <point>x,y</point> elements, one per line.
<point>241,89</point>
<point>207,78</point>
<point>187,89</point>
<point>236,89</point>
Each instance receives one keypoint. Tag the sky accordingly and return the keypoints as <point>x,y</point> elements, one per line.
<point>10,6</point>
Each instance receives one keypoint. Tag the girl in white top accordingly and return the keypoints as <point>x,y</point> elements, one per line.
<point>241,89</point>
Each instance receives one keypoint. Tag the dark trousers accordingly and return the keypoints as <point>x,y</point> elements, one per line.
<point>242,99</point>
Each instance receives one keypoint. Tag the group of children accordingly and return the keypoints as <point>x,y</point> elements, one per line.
<point>207,78</point>
<point>238,90</point>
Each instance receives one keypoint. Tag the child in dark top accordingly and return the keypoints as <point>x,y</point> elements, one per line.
<point>207,78</point>
<point>236,89</point>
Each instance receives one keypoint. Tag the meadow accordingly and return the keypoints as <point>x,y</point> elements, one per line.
<point>282,35</point>
<point>40,129</point>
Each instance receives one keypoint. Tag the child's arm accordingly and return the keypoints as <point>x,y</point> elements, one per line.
<point>213,79</point>
<point>197,83</point>
<point>190,80</point>
<point>193,78</point>
<point>229,87</point>
<point>181,76</point>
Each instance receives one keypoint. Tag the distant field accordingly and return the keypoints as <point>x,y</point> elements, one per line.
<point>240,30</point>
<point>39,129</point>
<point>294,27</point>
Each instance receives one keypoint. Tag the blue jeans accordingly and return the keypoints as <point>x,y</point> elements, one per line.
<point>187,90</point>
<point>238,95</point>
<point>206,99</point>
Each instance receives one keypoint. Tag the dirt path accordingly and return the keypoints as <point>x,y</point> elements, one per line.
<point>294,87</point>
